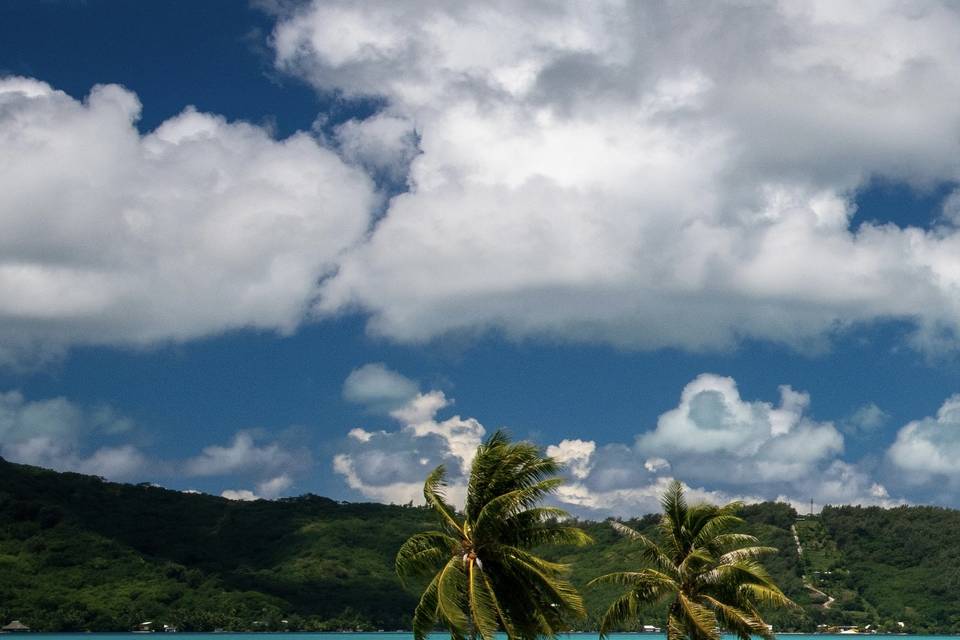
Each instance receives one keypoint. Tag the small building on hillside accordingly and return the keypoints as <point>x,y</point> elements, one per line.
<point>15,627</point>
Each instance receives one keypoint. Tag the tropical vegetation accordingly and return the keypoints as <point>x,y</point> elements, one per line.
<point>708,573</point>
<point>482,570</point>
<point>78,553</point>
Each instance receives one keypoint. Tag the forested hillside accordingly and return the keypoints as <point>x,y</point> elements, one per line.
<point>79,553</point>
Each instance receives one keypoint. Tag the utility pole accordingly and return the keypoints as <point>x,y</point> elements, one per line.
<point>811,507</point>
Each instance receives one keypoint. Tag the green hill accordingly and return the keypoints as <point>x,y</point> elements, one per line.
<point>80,553</point>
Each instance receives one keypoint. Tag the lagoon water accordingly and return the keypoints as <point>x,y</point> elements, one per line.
<point>403,636</point>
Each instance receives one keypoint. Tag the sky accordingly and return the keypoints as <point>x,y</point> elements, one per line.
<point>266,249</point>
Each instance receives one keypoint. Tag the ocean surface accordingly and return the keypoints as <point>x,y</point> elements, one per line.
<point>400,636</point>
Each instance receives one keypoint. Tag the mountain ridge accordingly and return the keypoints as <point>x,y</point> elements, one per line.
<point>81,553</point>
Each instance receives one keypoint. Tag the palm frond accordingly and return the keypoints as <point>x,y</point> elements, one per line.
<point>424,552</point>
<point>425,615</point>
<point>744,623</point>
<point>504,506</point>
<point>701,622</point>
<point>451,590</point>
<point>676,629</point>
<point>694,563</point>
<point>483,610</point>
<point>645,579</point>
<point>621,610</point>
<point>768,595</point>
<point>729,541</point>
<point>433,494</point>
<point>736,573</point>
<point>717,525</point>
<point>501,614</point>
<point>549,578</point>
<point>536,536</point>
<point>651,550</point>
<point>746,553</point>
<point>675,508</point>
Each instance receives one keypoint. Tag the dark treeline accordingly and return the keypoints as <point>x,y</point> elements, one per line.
<point>78,553</point>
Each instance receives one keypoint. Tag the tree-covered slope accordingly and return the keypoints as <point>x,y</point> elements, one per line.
<point>903,564</point>
<point>79,553</point>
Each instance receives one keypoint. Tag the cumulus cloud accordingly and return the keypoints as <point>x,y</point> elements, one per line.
<point>202,225</point>
<point>383,144</point>
<point>575,454</point>
<point>396,492</point>
<point>646,175</point>
<point>390,465</point>
<point>634,501</point>
<point>748,441</point>
<point>461,437</point>
<point>60,434</point>
<point>244,455</point>
<point>931,446</point>
<point>275,487</point>
<point>723,446</point>
<point>378,387</point>
<point>866,419</point>
<point>244,495</point>
<point>266,490</point>
<point>52,433</point>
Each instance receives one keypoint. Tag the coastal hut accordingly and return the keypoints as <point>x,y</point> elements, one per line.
<point>15,627</point>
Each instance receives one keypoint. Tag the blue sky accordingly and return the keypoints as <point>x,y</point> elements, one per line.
<point>737,270</point>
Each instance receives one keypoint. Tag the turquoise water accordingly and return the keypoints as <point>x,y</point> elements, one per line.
<point>395,636</point>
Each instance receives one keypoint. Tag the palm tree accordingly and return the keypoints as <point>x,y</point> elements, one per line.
<point>710,576</point>
<point>482,572</point>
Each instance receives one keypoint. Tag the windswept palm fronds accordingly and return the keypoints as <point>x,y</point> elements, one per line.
<point>710,575</point>
<point>483,574</point>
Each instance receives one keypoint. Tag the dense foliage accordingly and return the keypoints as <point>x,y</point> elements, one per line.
<point>78,553</point>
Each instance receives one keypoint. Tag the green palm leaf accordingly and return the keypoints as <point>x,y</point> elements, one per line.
<point>711,573</point>
<point>485,573</point>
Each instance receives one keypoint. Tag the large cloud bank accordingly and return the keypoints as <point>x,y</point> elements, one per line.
<point>202,225</point>
<point>643,174</point>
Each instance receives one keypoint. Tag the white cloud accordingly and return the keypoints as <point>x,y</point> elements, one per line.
<point>745,439</point>
<point>866,419</point>
<point>656,465</point>
<point>575,454</point>
<point>52,433</point>
<point>930,446</point>
<point>391,493</point>
<point>274,487</point>
<point>378,387</point>
<point>244,495</point>
<point>244,455</point>
<point>461,436</point>
<point>383,144</point>
<point>634,501</point>
<point>391,465</point>
<point>360,434</point>
<point>723,446</point>
<point>108,236</point>
<point>642,174</point>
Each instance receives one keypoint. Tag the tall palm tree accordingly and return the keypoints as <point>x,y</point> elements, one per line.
<point>482,572</point>
<point>710,576</point>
